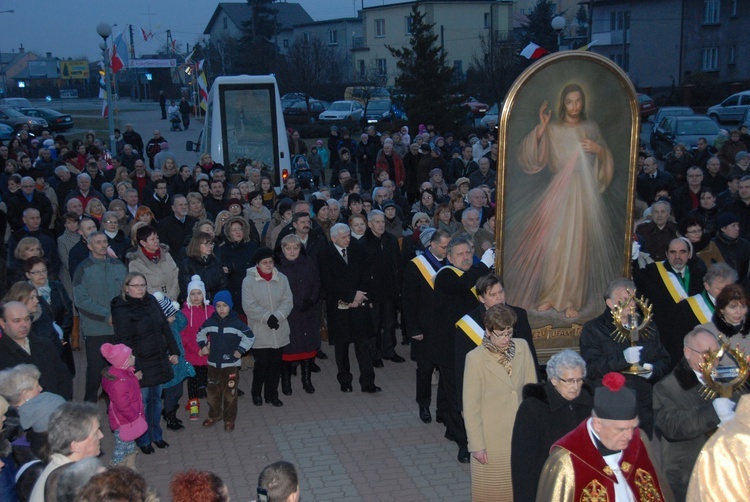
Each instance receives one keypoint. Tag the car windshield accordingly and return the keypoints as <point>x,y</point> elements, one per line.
<point>697,127</point>
<point>339,107</point>
<point>379,105</point>
<point>12,112</point>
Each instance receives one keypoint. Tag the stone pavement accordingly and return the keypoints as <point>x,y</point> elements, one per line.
<point>346,446</point>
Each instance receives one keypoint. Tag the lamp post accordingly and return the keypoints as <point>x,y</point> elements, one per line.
<point>104,30</point>
<point>558,24</point>
<point>3,81</point>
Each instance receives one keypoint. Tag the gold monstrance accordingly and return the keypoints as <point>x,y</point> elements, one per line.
<point>631,324</point>
<point>724,381</point>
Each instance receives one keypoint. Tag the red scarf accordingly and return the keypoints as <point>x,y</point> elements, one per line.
<point>267,277</point>
<point>154,257</point>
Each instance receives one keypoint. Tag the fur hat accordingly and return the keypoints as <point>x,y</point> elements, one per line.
<point>169,307</point>
<point>116,355</point>
<point>225,297</point>
<point>197,283</point>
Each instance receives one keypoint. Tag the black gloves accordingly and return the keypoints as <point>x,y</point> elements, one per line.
<point>272,322</point>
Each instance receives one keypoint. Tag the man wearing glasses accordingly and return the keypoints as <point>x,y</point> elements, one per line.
<point>97,280</point>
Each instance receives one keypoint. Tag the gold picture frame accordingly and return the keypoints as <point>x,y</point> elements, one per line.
<point>565,197</point>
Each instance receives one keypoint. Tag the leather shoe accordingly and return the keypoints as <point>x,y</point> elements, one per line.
<point>161,444</point>
<point>315,368</point>
<point>209,422</point>
<point>147,449</point>
<point>439,418</point>
<point>321,355</point>
<point>346,387</point>
<point>371,389</point>
<point>463,455</point>
<point>424,414</point>
<point>275,402</point>
<point>228,426</point>
<point>257,401</point>
<point>377,363</point>
<point>395,358</point>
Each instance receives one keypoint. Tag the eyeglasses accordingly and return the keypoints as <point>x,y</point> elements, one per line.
<point>702,354</point>
<point>209,244</point>
<point>139,286</point>
<point>505,334</point>
<point>571,381</point>
<point>111,221</point>
<point>38,272</point>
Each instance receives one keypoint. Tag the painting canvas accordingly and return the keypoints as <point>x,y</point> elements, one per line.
<point>566,177</point>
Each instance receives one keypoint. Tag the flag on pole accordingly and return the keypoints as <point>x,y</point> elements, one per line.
<point>146,35</point>
<point>105,109</point>
<point>102,83</point>
<point>203,91</point>
<point>200,64</point>
<point>120,57</point>
<point>533,51</point>
<point>587,46</point>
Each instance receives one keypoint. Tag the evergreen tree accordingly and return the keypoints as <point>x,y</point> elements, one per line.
<point>258,46</point>
<point>539,28</point>
<point>424,78</point>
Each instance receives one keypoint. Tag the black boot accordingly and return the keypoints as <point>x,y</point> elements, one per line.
<point>306,370</point>
<point>172,423</point>
<point>286,378</point>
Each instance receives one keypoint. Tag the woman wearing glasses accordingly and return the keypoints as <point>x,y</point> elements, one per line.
<point>496,372</point>
<point>201,260</point>
<point>549,411</point>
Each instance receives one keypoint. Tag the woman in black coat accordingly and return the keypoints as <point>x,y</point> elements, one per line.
<point>140,324</point>
<point>236,257</point>
<point>548,412</point>
<point>304,320</point>
<point>201,260</point>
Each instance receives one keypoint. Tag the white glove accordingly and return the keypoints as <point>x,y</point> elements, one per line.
<point>635,250</point>
<point>650,368</point>
<point>633,354</point>
<point>724,408</point>
<point>488,258</point>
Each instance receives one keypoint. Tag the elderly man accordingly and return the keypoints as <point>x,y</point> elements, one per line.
<point>84,192</point>
<point>32,227</point>
<point>96,281</point>
<point>134,139</point>
<point>17,347</point>
<point>683,417</point>
<point>605,457</point>
<point>477,200</point>
<point>63,183</point>
<point>28,197</point>
<point>128,157</point>
<point>652,179</point>
<point>385,268</point>
<point>654,236</point>
<point>483,239</point>
<point>603,353</point>
<point>175,228</point>
<point>484,176</point>
<point>343,277</point>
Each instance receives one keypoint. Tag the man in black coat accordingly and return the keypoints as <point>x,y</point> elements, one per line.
<point>32,228</point>
<point>652,179</point>
<point>383,258</point>
<point>175,228</point>
<point>17,347</point>
<point>133,139</point>
<point>604,354</point>
<point>28,197</point>
<point>343,277</point>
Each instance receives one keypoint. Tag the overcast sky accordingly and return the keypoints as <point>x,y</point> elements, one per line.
<point>67,28</point>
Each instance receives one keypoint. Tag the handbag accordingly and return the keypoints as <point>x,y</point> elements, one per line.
<point>132,430</point>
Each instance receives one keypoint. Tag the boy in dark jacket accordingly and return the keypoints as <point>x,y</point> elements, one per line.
<point>230,339</point>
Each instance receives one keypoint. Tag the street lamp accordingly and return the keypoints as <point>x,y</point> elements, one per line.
<point>3,90</point>
<point>558,24</point>
<point>104,30</point>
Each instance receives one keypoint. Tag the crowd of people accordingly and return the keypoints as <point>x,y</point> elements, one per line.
<point>167,276</point>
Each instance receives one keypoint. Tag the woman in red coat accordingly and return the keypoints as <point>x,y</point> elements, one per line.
<point>389,161</point>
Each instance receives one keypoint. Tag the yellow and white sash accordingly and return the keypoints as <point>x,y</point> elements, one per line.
<point>459,273</point>
<point>425,268</point>
<point>672,283</point>
<point>700,308</point>
<point>471,328</point>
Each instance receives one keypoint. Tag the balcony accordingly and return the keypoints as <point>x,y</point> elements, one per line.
<point>359,44</point>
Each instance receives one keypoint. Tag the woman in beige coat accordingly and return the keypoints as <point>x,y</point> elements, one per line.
<point>494,377</point>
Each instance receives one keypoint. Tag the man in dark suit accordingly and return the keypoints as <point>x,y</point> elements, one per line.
<point>652,179</point>
<point>343,275</point>
<point>175,228</point>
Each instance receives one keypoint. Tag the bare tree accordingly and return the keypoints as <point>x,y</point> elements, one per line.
<point>310,65</point>
<point>493,71</point>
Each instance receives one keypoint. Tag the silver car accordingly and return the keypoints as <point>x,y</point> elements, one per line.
<point>731,109</point>
<point>343,110</point>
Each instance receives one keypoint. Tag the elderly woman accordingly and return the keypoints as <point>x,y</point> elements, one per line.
<point>20,386</point>
<point>495,374</point>
<point>548,412</point>
<point>201,260</point>
<point>139,323</point>
<point>26,248</point>
<point>74,434</point>
<point>267,302</point>
<point>731,319</point>
<point>304,320</point>
<point>237,256</point>
<point>153,260</point>
<point>118,241</point>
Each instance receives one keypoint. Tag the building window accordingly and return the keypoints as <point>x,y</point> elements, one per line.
<point>333,38</point>
<point>619,20</point>
<point>226,23</point>
<point>487,20</point>
<point>711,11</point>
<point>731,56</point>
<point>408,20</point>
<point>361,68</point>
<point>286,43</point>
<point>379,28</point>
<point>382,67</point>
<point>710,59</point>
<point>306,38</point>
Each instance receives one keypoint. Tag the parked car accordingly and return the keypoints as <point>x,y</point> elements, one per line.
<point>57,121</point>
<point>492,115</point>
<point>15,119</point>
<point>379,110</point>
<point>731,109</point>
<point>646,105</point>
<point>343,110</point>
<point>298,112</point>
<point>475,106</point>
<point>16,103</point>
<point>681,129</point>
<point>674,111</point>
<point>364,93</point>
<point>6,132</point>
<point>746,119</point>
